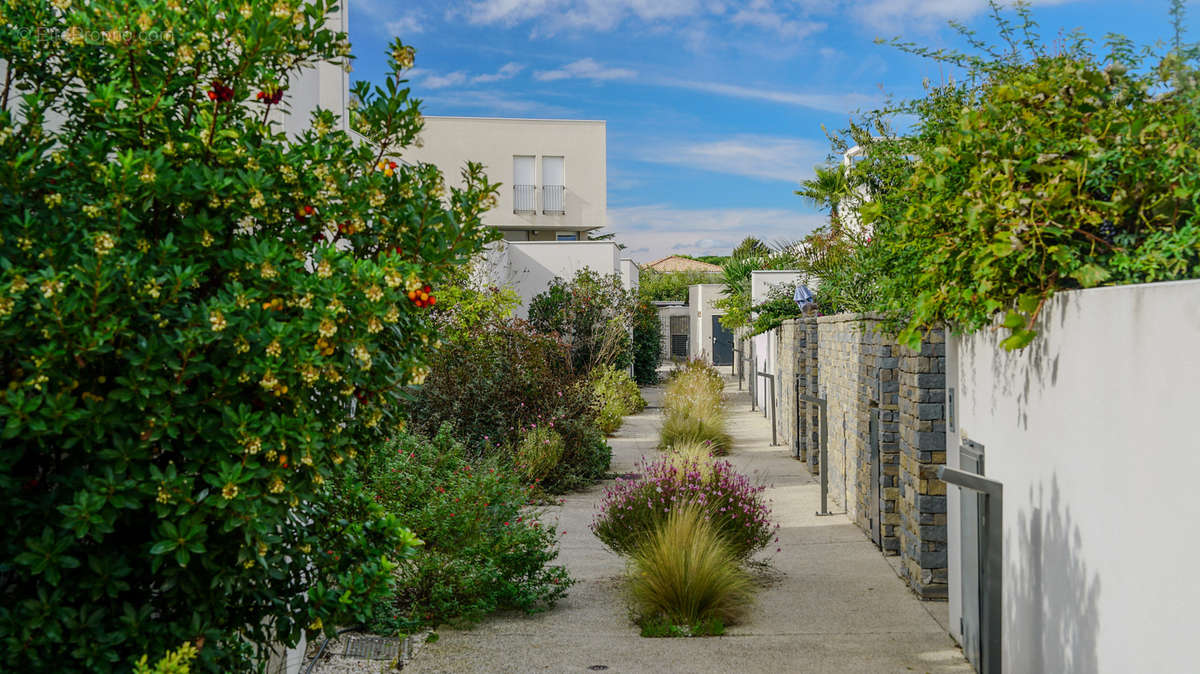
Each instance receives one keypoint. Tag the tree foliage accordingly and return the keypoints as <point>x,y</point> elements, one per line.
<point>201,322</point>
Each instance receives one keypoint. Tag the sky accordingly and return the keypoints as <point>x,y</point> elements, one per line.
<point>715,109</point>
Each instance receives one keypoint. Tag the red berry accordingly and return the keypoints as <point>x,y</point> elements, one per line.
<point>427,289</point>
<point>212,95</point>
<point>308,210</point>
<point>432,300</point>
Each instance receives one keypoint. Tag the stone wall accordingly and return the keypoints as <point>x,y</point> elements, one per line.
<point>922,450</point>
<point>839,350</point>
<point>786,360</point>
<point>881,397</point>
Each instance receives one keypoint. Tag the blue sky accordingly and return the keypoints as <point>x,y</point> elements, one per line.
<point>714,108</point>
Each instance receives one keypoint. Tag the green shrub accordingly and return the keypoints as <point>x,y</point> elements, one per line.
<point>617,395</point>
<point>693,410</point>
<point>485,548</point>
<point>540,450</point>
<point>493,383</point>
<point>191,305</point>
<point>174,662</point>
<point>633,508</point>
<point>695,428</point>
<point>647,343</point>
<point>593,314</point>
<point>685,573</point>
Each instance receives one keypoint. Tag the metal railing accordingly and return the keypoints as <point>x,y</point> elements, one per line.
<point>771,379</point>
<point>554,200</point>
<point>823,427</point>
<point>524,199</point>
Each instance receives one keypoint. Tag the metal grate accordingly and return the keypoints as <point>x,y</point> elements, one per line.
<point>679,346</point>
<point>679,325</point>
<point>372,648</point>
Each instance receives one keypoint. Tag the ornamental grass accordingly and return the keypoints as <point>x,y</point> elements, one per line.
<point>694,412</point>
<point>631,510</point>
<point>687,574</point>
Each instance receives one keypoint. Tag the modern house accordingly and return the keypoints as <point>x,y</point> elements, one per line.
<point>553,193</point>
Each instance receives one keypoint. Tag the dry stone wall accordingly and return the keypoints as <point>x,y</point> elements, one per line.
<point>886,430</point>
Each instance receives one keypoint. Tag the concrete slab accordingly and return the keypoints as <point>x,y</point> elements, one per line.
<point>831,602</point>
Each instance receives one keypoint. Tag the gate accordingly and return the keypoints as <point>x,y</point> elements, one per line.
<point>679,337</point>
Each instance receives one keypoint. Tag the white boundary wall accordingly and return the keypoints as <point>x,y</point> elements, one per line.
<point>1093,431</point>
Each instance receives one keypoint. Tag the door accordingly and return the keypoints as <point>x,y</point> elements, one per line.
<point>971,460</point>
<point>722,343</point>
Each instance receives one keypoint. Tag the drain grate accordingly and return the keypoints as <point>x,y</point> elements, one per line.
<point>372,648</point>
<point>598,668</point>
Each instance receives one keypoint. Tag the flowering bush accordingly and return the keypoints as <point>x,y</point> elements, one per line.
<point>494,384</point>
<point>484,548</point>
<point>616,396</point>
<point>202,320</point>
<point>632,509</point>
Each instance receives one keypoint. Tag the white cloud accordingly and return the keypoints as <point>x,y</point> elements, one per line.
<point>826,102</point>
<point>763,15</point>
<point>405,25</point>
<point>506,72</point>
<point>586,68</point>
<point>765,157</point>
<point>555,15</point>
<point>658,230</point>
<point>491,103</point>
<point>432,80</point>
<point>893,16</point>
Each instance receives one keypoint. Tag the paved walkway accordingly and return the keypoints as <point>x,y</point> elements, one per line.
<point>832,604</point>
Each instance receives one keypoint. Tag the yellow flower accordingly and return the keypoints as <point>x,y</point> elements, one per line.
<point>147,175</point>
<point>374,293</point>
<point>51,287</point>
<point>374,326</point>
<point>268,381</point>
<point>328,328</point>
<point>267,271</point>
<point>316,624</point>
<point>53,200</point>
<point>249,563</point>
<point>276,486</point>
<point>403,56</point>
<point>91,210</point>
<point>19,284</point>
<point>145,22</point>
<point>163,495</point>
<point>273,349</point>
<point>310,374</point>
<point>305,302</point>
<point>324,270</point>
<point>217,320</point>
<point>307,459</point>
<point>257,200</point>
<point>262,549</point>
<point>252,444</point>
<point>393,278</point>
<point>206,239</point>
<point>392,315</point>
<point>230,491</point>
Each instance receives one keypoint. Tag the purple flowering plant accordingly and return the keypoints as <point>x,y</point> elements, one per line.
<point>631,509</point>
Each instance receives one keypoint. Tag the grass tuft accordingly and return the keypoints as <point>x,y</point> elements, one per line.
<point>685,573</point>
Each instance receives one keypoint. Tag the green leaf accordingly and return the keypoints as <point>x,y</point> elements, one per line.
<point>1090,275</point>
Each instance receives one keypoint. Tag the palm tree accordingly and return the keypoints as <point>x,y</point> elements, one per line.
<point>826,190</point>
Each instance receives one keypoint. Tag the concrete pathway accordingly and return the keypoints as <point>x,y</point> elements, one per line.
<point>832,602</point>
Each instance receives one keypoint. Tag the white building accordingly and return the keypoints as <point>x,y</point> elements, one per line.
<point>553,176</point>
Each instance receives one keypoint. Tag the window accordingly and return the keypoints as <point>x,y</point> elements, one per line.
<point>524,184</point>
<point>553,185</point>
<point>573,236</point>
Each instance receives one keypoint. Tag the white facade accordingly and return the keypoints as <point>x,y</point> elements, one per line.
<point>762,281</point>
<point>553,171</point>
<point>701,310</point>
<point>1092,431</point>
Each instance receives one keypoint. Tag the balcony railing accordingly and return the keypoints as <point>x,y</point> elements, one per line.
<point>553,200</point>
<point>525,199</point>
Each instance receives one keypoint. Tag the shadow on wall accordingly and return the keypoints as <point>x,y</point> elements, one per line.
<point>1054,621</point>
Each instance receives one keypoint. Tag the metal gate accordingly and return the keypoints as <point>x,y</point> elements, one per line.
<point>982,507</point>
<point>679,337</point>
